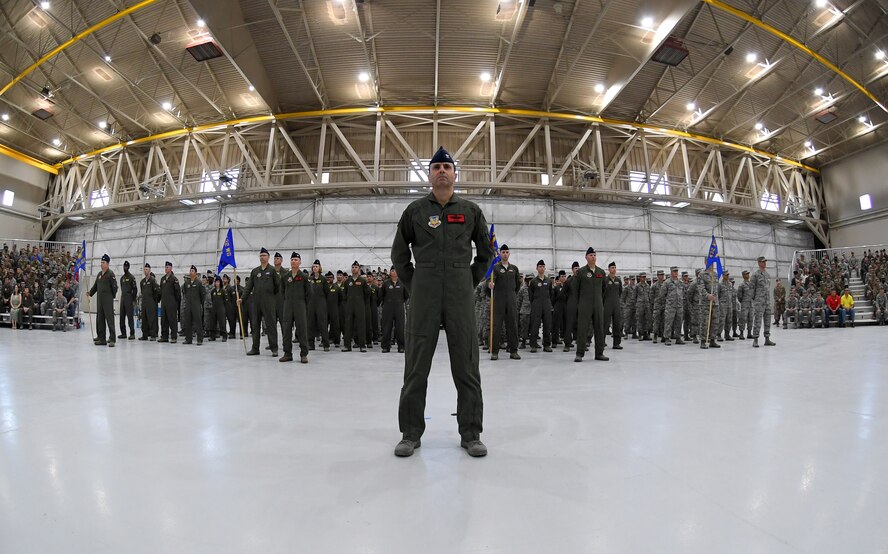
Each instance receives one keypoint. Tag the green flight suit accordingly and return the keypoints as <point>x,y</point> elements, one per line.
<point>296,297</point>
<point>148,311</point>
<point>128,294</point>
<point>588,287</point>
<point>441,285</point>
<point>193,297</point>
<point>106,288</point>
<point>357,296</point>
<point>317,310</point>
<point>170,297</point>
<point>264,284</point>
<point>506,284</point>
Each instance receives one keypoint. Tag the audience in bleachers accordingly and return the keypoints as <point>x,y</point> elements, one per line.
<point>31,277</point>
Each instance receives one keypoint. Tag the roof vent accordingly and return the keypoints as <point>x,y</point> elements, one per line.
<point>672,52</point>
<point>827,116</point>
<point>42,114</point>
<point>204,51</point>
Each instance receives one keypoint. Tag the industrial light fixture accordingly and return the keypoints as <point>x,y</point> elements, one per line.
<point>818,91</point>
<point>44,5</point>
<point>820,3</point>
<point>56,142</point>
<point>880,55</point>
<point>167,106</point>
<point>363,76</point>
<point>103,124</point>
<point>866,202</point>
<point>751,57</point>
<point>599,88</point>
<point>647,22</point>
<point>201,23</point>
<point>862,119</point>
<point>107,58</point>
<point>5,117</point>
<point>691,106</point>
<point>809,144</point>
<point>759,126</point>
<point>485,77</point>
<point>251,88</point>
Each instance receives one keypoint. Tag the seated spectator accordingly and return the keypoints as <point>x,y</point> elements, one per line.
<point>60,312</point>
<point>833,304</point>
<point>792,309</point>
<point>880,307</point>
<point>15,307</point>
<point>847,309</point>
<point>818,311</point>
<point>806,304</point>
<point>27,309</point>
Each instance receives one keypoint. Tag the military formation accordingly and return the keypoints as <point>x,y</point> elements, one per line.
<point>590,303</point>
<point>309,307</point>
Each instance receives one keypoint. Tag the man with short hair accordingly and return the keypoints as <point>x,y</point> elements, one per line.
<point>880,305</point>
<point>806,305</point>
<point>438,232</point>
<point>792,310</point>
<point>613,313</point>
<point>170,299</point>
<point>643,307</point>
<point>847,309</point>
<point>60,312</point>
<point>317,308</point>
<point>833,305</point>
<point>296,296</point>
<point>707,296</point>
<point>264,283</point>
<point>744,295</point>
<point>128,294</point>
<point>726,308</point>
<point>540,294</point>
<point>394,296</point>
<point>761,301</point>
<point>193,297</point>
<point>105,287</point>
<point>657,306</point>
<point>357,294</point>
<point>505,282</point>
<point>589,290</point>
<point>150,292</point>
<point>673,293</point>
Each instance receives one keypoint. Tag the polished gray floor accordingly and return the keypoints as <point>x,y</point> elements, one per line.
<point>149,448</point>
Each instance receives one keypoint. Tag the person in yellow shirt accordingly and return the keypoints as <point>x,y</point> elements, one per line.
<point>847,308</point>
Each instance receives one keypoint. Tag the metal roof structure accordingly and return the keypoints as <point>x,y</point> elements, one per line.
<point>132,77</point>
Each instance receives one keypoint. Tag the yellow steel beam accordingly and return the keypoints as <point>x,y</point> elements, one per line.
<point>780,34</point>
<point>443,109</point>
<point>76,38</point>
<point>24,158</point>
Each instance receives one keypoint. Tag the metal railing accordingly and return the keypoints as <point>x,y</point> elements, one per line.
<point>843,252</point>
<point>10,245</point>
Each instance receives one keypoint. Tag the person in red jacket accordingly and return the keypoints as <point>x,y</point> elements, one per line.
<point>833,303</point>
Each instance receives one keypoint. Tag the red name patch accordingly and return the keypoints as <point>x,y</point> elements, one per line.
<point>456,218</point>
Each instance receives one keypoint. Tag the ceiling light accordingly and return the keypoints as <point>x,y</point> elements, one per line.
<point>809,144</point>
<point>818,91</point>
<point>167,106</point>
<point>759,126</point>
<point>820,3</point>
<point>485,77</point>
<point>201,23</point>
<point>880,55</point>
<point>103,124</point>
<point>599,88</point>
<point>107,58</point>
<point>647,22</point>
<point>751,57</point>
<point>5,117</point>
<point>44,5</point>
<point>251,88</point>
<point>691,106</point>
<point>363,76</point>
<point>56,141</point>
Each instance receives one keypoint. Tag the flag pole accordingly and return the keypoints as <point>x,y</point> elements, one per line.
<point>240,315</point>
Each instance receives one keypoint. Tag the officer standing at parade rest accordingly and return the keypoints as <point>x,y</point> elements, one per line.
<point>150,292</point>
<point>193,297</point>
<point>541,296</point>
<point>296,297</point>
<point>264,282</point>
<point>505,282</point>
<point>613,311</point>
<point>333,295</point>
<point>106,288</point>
<point>317,307</point>
<point>588,288</point>
<point>279,297</point>
<point>128,294</point>
<point>394,295</point>
<point>170,297</point>
<point>357,295</point>
<point>437,231</point>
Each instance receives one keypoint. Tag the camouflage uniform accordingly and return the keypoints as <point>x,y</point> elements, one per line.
<point>805,307</point>
<point>628,305</point>
<point>691,312</point>
<point>726,309</point>
<point>657,306</point>
<point>643,310</point>
<point>880,306</point>
<point>672,292</point>
<point>779,301</point>
<point>744,295</point>
<point>792,311</point>
<point>761,301</point>
<point>523,315</point>
<point>708,312</point>
<point>482,313</point>
<point>818,306</point>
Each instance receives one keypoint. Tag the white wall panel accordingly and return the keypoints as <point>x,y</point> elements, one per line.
<point>363,229</point>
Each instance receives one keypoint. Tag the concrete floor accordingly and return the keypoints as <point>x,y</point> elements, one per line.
<point>149,448</point>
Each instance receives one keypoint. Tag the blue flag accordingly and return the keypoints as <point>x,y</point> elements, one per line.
<point>713,258</point>
<point>227,257</point>
<point>80,263</point>
<point>495,246</point>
